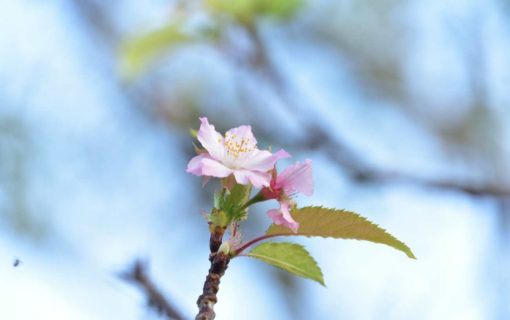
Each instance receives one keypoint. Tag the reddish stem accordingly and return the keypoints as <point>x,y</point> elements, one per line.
<point>253,241</point>
<point>234,229</point>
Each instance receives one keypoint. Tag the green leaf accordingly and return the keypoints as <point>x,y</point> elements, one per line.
<point>139,52</point>
<point>290,257</point>
<point>339,224</point>
<point>218,218</point>
<point>238,195</point>
<point>232,202</point>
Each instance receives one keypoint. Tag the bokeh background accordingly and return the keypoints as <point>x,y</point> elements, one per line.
<point>403,107</point>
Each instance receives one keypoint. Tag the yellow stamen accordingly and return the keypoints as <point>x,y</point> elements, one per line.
<point>235,148</point>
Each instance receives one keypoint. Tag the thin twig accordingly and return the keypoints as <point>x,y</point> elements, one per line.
<point>156,299</point>
<point>244,246</point>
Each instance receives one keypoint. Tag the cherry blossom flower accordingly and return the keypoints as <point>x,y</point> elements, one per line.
<point>293,180</point>
<point>235,154</point>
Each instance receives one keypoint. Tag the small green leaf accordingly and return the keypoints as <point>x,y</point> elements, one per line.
<point>218,218</point>
<point>218,198</point>
<point>139,52</point>
<point>324,222</point>
<point>234,201</point>
<point>290,257</point>
<point>238,195</point>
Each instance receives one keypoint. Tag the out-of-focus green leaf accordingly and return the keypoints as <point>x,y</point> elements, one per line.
<point>281,9</point>
<point>139,52</point>
<point>290,257</point>
<point>246,11</point>
<point>242,10</point>
<point>324,222</point>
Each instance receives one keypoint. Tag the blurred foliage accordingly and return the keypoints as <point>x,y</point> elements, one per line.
<point>362,31</point>
<point>247,11</point>
<point>138,52</point>
<point>15,154</point>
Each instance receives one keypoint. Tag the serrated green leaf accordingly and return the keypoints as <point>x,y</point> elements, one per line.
<point>290,257</point>
<point>340,224</point>
<point>139,52</point>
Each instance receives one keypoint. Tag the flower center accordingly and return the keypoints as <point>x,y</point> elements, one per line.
<point>237,145</point>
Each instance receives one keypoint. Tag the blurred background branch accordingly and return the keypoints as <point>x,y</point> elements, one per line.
<point>155,299</point>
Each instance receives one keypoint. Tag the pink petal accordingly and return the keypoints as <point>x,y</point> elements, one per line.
<point>210,139</point>
<point>297,178</point>
<point>213,168</point>
<point>195,165</point>
<point>263,160</point>
<point>283,217</point>
<point>204,165</point>
<point>258,179</point>
<point>242,134</point>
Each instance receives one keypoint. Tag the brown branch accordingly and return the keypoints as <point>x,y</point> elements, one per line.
<point>216,239</point>
<point>208,298</point>
<point>219,263</point>
<point>484,189</point>
<point>360,171</point>
<point>156,299</point>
